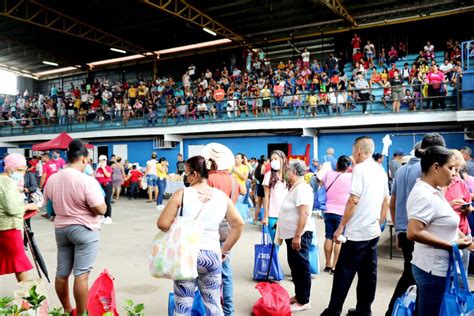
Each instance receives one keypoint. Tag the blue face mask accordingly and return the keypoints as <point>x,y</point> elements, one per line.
<point>16,176</point>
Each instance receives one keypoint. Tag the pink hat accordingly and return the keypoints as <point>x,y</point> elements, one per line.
<point>13,161</point>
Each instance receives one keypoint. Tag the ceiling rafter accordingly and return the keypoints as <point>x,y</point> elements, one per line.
<point>32,12</point>
<point>187,12</point>
<point>337,7</point>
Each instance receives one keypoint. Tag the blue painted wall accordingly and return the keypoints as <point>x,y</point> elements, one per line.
<point>140,151</point>
<point>3,150</point>
<point>342,143</point>
<point>254,146</point>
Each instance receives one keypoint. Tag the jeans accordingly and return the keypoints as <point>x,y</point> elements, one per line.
<point>355,257</point>
<point>133,190</point>
<point>430,291</point>
<point>227,287</point>
<point>300,268</point>
<point>406,280</point>
<point>62,120</point>
<point>337,108</point>
<point>161,191</point>
<point>108,198</point>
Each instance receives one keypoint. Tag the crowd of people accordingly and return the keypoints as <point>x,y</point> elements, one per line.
<point>429,202</point>
<point>304,86</point>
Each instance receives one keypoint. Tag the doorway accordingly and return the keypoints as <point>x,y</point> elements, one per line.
<point>281,146</point>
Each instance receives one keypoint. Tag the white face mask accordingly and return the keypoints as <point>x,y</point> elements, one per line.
<point>275,164</point>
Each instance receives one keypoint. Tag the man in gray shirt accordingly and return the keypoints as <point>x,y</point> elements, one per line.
<point>363,89</point>
<point>467,153</point>
<point>395,163</point>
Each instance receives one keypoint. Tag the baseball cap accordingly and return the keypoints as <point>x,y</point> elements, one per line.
<point>102,157</point>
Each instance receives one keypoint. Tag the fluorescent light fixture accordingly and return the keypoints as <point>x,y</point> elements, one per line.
<point>50,63</point>
<point>118,50</point>
<point>115,60</point>
<point>205,29</point>
<point>54,71</point>
<point>193,46</point>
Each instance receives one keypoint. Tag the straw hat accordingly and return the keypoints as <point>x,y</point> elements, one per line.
<point>221,154</point>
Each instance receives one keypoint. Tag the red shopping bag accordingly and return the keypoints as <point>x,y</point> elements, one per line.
<point>275,300</point>
<point>101,297</point>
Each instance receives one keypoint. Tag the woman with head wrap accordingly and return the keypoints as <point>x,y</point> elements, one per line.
<point>13,258</point>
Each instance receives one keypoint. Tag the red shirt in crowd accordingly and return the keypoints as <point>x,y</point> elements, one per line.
<point>52,167</point>
<point>435,77</point>
<point>100,176</point>
<point>391,71</point>
<point>356,42</point>
<point>33,163</point>
<point>135,176</point>
<point>222,180</point>
<point>357,57</point>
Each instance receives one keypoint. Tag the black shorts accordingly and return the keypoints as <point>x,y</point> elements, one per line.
<point>266,103</point>
<point>260,190</point>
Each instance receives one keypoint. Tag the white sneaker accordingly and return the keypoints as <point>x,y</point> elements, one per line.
<point>295,307</point>
<point>107,221</point>
<point>160,207</point>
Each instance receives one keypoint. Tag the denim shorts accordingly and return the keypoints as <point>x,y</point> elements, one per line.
<point>331,223</point>
<point>151,180</point>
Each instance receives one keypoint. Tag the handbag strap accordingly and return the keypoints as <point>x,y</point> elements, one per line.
<point>458,261</point>
<point>327,190</point>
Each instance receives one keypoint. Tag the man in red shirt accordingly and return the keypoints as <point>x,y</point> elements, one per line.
<point>50,166</point>
<point>392,70</point>
<point>357,56</point>
<point>134,176</point>
<point>355,44</point>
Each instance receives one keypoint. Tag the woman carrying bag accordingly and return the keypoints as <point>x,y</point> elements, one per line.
<point>433,226</point>
<point>208,206</point>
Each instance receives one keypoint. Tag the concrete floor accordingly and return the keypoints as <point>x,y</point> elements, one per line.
<point>124,250</point>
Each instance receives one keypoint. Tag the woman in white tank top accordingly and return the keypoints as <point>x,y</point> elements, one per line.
<point>209,206</point>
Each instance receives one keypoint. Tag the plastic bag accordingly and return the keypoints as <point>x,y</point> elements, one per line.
<point>405,305</point>
<point>457,301</point>
<point>144,184</point>
<point>174,253</point>
<point>275,300</point>
<point>266,259</point>
<point>198,308</point>
<point>101,297</point>
<point>314,264</point>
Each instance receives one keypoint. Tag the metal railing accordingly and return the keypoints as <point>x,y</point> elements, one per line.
<point>467,56</point>
<point>294,106</point>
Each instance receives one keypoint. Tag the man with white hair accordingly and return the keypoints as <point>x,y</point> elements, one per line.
<point>366,210</point>
<point>329,157</point>
<point>224,181</point>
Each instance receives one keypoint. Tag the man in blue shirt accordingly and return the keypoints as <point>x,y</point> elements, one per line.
<point>403,182</point>
<point>314,165</point>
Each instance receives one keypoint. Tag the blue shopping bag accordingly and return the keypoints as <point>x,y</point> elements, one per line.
<point>457,301</point>
<point>266,264</point>
<point>320,199</point>
<point>314,256</point>
<point>243,210</point>
<point>198,305</point>
<point>405,304</point>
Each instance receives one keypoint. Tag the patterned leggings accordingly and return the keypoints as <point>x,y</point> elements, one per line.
<point>209,283</point>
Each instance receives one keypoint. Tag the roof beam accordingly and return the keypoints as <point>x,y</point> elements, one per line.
<point>185,11</point>
<point>337,7</point>
<point>32,12</point>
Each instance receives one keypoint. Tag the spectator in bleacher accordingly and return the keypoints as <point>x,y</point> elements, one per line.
<point>374,77</point>
<point>396,84</point>
<point>447,69</point>
<point>416,84</point>
<point>363,89</point>
<point>402,50</point>
<point>392,70</point>
<point>355,44</point>
<point>392,55</point>
<point>357,56</point>
<point>405,73</point>
<point>467,155</point>
<point>382,57</point>
<point>305,56</point>
<point>369,50</point>
<point>436,89</point>
<point>429,51</point>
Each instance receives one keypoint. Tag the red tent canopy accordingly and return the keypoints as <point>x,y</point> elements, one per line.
<point>60,142</point>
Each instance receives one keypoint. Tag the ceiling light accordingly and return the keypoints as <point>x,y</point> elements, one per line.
<point>50,63</point>
<point>115,60</point>
<point>193,46</point>
<point>205,29</point>
<point>118,50</point>
<point>54,71</point>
